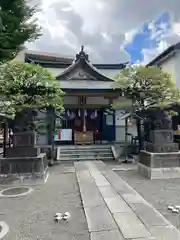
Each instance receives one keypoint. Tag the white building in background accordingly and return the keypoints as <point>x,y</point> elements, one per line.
<point>169,61</point>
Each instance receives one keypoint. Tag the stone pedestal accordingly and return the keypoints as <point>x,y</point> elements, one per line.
<point>25,168</point>
<point>24,160</point>
<point>24,145</point>
<point>161,159</point>
<point>159,165</point>
<point>161,141</point>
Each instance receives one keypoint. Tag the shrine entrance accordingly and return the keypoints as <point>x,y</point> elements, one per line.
<point>86,125</point>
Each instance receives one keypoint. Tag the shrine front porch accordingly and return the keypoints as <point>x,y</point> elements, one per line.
<point>86,126</point>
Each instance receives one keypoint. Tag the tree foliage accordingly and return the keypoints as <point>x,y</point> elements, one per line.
<point>28,86</point>
<point>146,87</point>
<point>17,27</point>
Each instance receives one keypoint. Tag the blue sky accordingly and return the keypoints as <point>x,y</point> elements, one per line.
<point>148,37</point>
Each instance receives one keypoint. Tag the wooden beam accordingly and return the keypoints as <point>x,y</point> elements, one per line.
<point>92,106</point>
<point>95,94</point>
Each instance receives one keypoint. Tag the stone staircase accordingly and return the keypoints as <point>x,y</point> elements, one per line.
<point>85,153</point>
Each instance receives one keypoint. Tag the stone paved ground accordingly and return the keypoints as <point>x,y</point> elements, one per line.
<point>32,215</point>
<point>114,210</point>
<point>160,193</point>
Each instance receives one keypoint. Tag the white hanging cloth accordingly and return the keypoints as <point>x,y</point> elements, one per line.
<point>79,113</point>
<point>84,123</point>
<point>68,113</point>
<point>95,113</point>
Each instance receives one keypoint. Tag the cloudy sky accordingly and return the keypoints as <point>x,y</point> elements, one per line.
<point>112,31</point>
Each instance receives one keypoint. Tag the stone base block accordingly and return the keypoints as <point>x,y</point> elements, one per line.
<point>26,169</point>
<point>160,160</point>
<point>158,173</point>
<point>162,147</point>
<point>159,165</point>
<point>22,151</point>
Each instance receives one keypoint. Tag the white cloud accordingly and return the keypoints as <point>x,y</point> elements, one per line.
<point>102,26</point>
<point>151,53</point>
<point>176,28</point>
<point>165,35</point>
<point>129,36</point>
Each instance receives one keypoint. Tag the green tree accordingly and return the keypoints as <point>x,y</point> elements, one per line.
<point>146,87</point>
<point>18,25</point>
<point>28,86</point>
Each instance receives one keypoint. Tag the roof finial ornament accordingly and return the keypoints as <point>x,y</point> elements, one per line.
<point>82,48</point>
<point>82,55</point>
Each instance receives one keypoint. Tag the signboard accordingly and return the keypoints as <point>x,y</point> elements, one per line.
<point>109,120</point>
<point>63,135</point>
<point>118,118</point>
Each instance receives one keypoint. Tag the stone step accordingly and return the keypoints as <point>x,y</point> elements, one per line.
<point>85,153</point>
<point>88,153</point>
<point>85,149</point>
<point>86,158</point>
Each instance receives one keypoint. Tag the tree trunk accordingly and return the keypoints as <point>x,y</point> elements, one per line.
<point>138,124</point>
<point>5,140</point>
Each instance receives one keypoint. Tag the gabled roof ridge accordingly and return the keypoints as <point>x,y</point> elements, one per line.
<point>82,59</point>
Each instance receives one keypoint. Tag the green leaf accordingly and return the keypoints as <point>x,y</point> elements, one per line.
<point>28,86</point>
<point>147,87</point>
<point>18,25</point>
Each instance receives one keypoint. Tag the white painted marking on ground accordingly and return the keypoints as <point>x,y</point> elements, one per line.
<point>4,230</point>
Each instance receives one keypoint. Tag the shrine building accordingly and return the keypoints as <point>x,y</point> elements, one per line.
<point>89,93</point>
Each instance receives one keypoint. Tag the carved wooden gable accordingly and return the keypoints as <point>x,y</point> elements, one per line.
<point>80,74</point>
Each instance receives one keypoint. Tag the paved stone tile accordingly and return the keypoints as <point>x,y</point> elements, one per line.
<point>91,197</point>
<point>84,177</point>
<point>149,216</point>
<point>148,238</point>
<point>91,165</point>
<point>99,219</point>
<point>100,165</point>
<point>159,193</point>
<point>100,180</point>
<point>117,183</point>
<point>131,226</point>
<point>80,166</point>
<point>133,198</point>
<point>165,233</point>
<point>107,235</point>
<point>108,192</point>
<point>117,205</point>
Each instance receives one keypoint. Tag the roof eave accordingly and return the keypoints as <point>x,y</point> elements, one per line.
<point>164,55</point>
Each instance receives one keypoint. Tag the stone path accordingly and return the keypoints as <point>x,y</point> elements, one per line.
<point>160,193</point>
<point>116,211</point>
